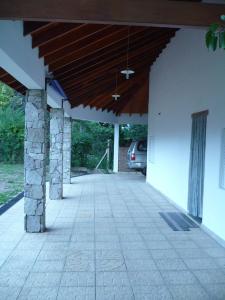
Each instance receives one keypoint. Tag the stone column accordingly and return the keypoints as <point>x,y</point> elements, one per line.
<point>35,161</point>
<point>116,148</point>
<point>56,153</point>
<point>67,150</point>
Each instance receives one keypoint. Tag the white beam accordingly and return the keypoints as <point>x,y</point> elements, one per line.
<point>17,56</point>
<point>89,114</point>
<point>135,119</point>
<point>116,148</point>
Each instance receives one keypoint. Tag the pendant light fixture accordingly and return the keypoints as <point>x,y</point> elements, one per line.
<point>116,96</point>
<point>127,72</point>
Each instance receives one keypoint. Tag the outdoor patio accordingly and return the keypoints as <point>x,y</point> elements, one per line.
<point>106,240</point>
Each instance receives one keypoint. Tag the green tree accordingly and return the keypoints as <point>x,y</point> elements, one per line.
<point>11,125</point>
<point>215,36</point>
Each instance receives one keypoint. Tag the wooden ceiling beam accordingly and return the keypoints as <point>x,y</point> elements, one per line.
<point>90,99</point>
<point>132,87</point>
<point>148,42</point>
<point>84,31</point>
<point>57,30</point>
<point>114,64</point>
<point>148,12</point>
<point>118,48</point>
<point>117,35</point>
<point>91,38</point>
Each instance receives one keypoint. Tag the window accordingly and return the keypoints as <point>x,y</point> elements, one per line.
<point>142,146</point>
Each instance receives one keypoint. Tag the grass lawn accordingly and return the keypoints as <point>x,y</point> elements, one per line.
<point>11,181</point>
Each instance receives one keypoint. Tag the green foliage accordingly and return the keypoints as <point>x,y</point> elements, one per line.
<point>13,180</point>
<point>89,139</point>
<point>89,143</point>
<point>215,36</point>
<point>6,93</point>
<point>129,133</point>
<point>11,126</point>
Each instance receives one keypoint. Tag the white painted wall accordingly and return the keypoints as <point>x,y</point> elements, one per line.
<point>92,114</point>
<point>187,78</point>
<point>116,148</point>
<point>17,56</point>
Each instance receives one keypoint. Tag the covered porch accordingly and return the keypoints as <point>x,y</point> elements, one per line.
<point>107,240</point>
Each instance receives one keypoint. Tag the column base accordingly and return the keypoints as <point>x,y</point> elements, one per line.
<point>34,224</point>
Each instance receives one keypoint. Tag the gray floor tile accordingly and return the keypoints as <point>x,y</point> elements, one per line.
<point>114,293</point>
<point>78,279</point>
<point>164,254</point>
<point>110,265</point>
<point>9,293</point>
<point>145,278</point>
<point>179,277</point>
<point>48,266</point>
<point>183,244</point>
<point>159,292</point>
<point>43,279</point>
<point>215,252</point>
<point>78,293</point>
<point>140,265</point>
<point>79,265</point>
<point>38,293</point>
<point>216,291</point>
<point>192,253</point>
<point>13,279</point>
<point>210,276</point>
<point>200,263</point>
<point>192,292</point>
<point>158,245</point>
<point>136,254</point>
<point>109,225</point>
<point>112,279</point>
<point>109,254</point>
<point>170,264</point>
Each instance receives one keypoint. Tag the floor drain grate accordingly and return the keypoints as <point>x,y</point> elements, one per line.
<point>178,221</point>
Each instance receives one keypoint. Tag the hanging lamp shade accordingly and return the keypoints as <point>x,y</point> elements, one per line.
<point>116,96</point>
<point>128,71</point>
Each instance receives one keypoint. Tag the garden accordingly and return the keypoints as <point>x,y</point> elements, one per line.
<point>89,142</point>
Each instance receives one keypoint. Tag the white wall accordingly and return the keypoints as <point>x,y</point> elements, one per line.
<point>17,56</point>
<point>187,78</point>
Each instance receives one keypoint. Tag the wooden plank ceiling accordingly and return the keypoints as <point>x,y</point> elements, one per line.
<point>12,82</point>
<point>86,58</point>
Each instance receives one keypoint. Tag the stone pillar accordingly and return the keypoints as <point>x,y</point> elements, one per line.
<point>116,148</point>
<point>67,150</point>
<point>35,161</point>
<point>56,153</point>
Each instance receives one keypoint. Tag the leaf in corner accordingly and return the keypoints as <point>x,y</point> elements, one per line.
<point>213,27</point>
<point>208,39</point>
<point>214,42</point>
<point>222,40</point>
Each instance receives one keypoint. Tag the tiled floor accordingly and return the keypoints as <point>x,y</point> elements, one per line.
<point>106,241</point>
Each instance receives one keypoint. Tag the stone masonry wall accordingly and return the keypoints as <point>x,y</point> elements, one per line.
<point>67,150</point>
<point>56,153</point>
<point>35,161</point>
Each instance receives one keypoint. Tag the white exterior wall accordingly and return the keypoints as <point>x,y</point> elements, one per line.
<point>187,78</point>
